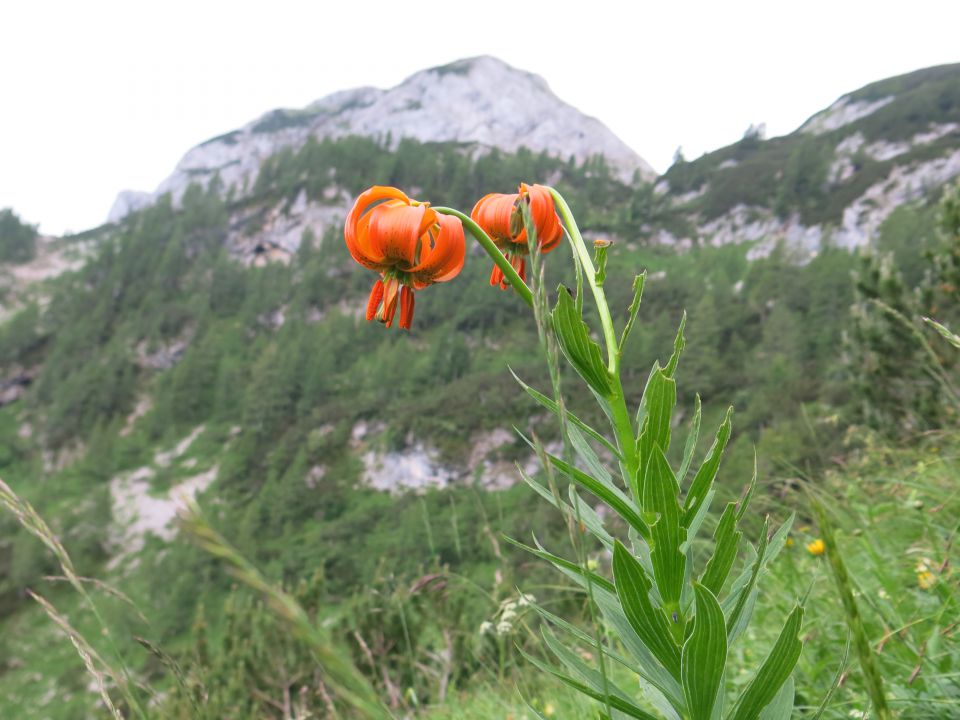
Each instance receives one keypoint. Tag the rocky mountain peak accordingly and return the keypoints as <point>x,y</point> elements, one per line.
<point>480,100</point>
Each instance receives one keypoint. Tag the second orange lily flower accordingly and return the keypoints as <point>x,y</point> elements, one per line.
<point>501,218</point>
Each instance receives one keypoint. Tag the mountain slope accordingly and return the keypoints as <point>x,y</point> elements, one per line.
<point>481,101</point>
<point>833,181</point>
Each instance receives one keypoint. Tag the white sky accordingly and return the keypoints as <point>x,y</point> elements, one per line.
<point>98,96</point>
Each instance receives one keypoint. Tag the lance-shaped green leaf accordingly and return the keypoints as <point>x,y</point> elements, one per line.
<point>553,407</point>
<point>649,690</point>
<point>642,407</point>
<point>781,707</point>
<point>659,398</point>
<point>686,547</point>
<point>748,492</point>
<point>691,445</point>
<point>704,656</point>
<point>774,672</point>
<point>743,593</point>
<point>707,473</point>
<point>633,589</point>
<point>666,534</point>
<point>605,595</point>
<point>638,283</point>
<point>587,456</point>
<point>611,495</point>
<point>581,351</point>
<point>568,567</point>
<point>726,541</point>
<point>646,665</point>
<point>694,527</point>
<point>588,516</point>
<point>678,344</point>
<point>578,633</point>
<point>575,664</point>
<point>743,587</point>
<point>670,710</point>
<point>615,702</point>
<point>600,248</point>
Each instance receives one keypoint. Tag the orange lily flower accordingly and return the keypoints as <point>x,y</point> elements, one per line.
<point>408,243</point>
<point>500,217</point>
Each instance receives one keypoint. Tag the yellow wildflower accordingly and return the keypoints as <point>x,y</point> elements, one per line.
<point>926,579</point>
<point>789,542</point>
<point>817,547</point>
<point>549,710</point>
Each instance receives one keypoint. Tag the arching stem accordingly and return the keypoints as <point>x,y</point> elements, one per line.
<point>620,416</point>
<point>494,252</point>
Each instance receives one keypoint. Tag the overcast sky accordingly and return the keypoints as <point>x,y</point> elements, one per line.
<point>98,96</point>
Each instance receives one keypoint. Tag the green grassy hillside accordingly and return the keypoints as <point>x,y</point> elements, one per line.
<point>791,174</point>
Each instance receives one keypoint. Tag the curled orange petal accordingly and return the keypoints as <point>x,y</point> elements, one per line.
<point>394,232</point>
<point>492,212</point>
<point>442,252</point>
<point>355,230</point>
<point>544,216</point>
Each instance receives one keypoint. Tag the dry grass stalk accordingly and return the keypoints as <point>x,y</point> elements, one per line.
<point>91,659</point>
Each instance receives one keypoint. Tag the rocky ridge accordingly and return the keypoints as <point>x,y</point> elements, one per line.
<point>877,133</point>
<point>890,143</point>
<point>480,101</point>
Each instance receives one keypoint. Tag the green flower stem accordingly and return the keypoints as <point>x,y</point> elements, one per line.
<point>620,416</point>
<point>583,255</point>
<point>494,252</point>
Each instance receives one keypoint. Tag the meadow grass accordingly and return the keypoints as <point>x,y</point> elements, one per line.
<point>895,514</point>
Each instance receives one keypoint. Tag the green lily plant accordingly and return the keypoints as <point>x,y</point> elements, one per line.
<point>666,615</point>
